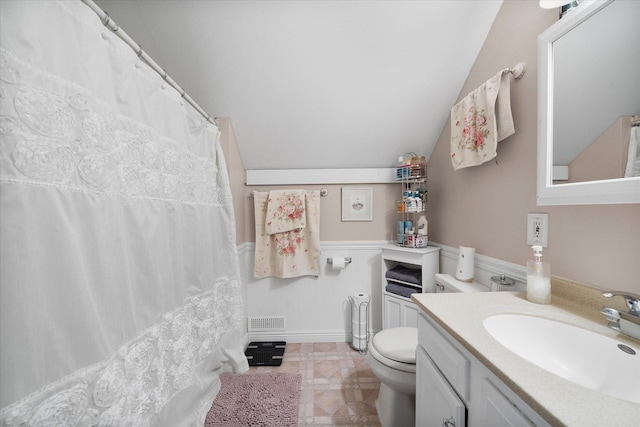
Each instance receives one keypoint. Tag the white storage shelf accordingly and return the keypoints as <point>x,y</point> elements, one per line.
<point>412,285</point>
<point>397,309</point>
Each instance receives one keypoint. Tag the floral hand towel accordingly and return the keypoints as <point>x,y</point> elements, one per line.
<point>285,211</point>
<point>291,253</point>
<point>480,121</point>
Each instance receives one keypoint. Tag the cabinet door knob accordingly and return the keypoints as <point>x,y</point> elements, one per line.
<point>448,422</point>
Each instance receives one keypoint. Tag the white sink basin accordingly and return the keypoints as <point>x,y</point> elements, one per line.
<point>580,356</point>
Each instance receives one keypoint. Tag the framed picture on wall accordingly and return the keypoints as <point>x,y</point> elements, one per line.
<point>357,203</point>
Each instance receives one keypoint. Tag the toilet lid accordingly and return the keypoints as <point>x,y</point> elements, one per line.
<point>397,344</point>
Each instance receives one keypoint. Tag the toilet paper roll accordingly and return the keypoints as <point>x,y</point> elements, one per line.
<point>363,323</point>
<point>359,330</point>
<point>466,262</point>
<point>339,263</point>
<point>359,303</point>
<point>359,343</point>
<point>359,320</point>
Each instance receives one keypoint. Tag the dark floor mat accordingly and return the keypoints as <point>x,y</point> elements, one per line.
<point>265,353</point>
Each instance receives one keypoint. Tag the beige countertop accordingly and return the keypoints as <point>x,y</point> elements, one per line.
<point>559,401</point>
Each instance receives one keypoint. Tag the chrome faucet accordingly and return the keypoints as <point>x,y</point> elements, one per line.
<point>625,322</point>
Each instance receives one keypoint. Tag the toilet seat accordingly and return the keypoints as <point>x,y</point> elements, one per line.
<point>396,348</point>
<point>397,344</point>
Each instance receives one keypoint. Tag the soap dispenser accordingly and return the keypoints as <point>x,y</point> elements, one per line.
<point>538,278</point>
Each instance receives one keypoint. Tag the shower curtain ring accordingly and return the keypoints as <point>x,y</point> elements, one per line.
<point>139,53</point>
<point>107,20</point>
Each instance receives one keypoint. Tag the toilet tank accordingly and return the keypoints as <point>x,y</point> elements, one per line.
<point>448,283</point>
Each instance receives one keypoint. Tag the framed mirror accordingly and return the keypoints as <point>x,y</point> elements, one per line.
<point>588,104</point>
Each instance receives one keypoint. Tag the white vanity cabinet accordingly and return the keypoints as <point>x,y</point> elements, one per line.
<point>398,310</point>
<point>453,388</point>
<point>437,404</point>
<point>498,409</point>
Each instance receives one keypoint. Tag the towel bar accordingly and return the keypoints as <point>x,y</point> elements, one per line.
<point>518,70</point>
<point>323,192</point>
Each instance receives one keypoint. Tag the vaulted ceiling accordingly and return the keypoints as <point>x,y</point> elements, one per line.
<point>316,84</point>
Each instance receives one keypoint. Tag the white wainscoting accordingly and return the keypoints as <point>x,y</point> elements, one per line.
<point>485,267</point>
<point>318,309</point>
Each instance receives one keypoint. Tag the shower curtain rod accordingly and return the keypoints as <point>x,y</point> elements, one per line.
<point>110,24</point>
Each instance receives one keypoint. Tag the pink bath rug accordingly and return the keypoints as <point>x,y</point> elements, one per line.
<point>264,400</point>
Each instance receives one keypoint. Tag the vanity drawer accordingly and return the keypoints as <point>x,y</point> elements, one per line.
<point>453,365</point>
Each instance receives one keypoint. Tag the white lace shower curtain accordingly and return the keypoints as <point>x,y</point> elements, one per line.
<point>119,279</point>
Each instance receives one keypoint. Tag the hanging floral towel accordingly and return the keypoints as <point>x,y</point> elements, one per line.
<point>291,253</point>
<point>480,121</point>
<point>285,211</point>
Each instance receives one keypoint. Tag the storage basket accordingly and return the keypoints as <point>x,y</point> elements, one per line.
<point>412,240</point>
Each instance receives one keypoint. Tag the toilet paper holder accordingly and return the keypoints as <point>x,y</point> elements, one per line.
<point>347,259</point>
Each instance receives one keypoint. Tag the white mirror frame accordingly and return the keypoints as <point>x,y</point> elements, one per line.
<point>611,191</point>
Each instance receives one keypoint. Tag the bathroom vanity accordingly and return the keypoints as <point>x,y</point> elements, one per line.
<point>452,383</point>
<point>465,377</point>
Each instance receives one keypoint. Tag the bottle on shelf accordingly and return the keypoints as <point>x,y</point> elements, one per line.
<point>403,169</point>
<point>423,226</point>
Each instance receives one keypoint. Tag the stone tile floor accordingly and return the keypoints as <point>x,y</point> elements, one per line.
<point>338,388</point>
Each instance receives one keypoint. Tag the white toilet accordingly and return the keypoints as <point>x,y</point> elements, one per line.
<point>392,358</point>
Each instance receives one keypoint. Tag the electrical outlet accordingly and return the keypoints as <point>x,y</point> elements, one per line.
<point>538,229</point>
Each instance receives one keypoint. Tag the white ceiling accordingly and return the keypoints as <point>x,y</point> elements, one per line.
<point>317,84</point>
